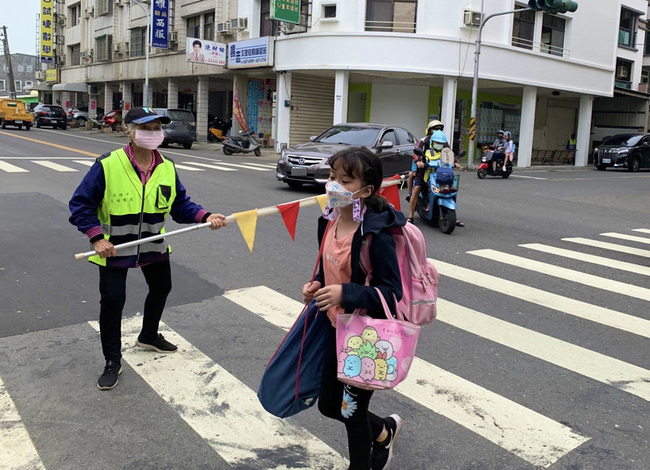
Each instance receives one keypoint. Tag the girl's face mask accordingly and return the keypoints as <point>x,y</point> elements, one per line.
<point>338,196</point>
<point>437,146</point>
<point>149,139</point>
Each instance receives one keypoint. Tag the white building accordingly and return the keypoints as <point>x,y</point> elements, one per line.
<point>393,61</point>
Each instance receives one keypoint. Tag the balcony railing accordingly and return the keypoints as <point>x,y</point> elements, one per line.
<point>540,47</point>
<point>618,83</point>
<point>391,26</point>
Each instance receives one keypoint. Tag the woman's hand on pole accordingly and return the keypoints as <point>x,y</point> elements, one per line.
<point>217,221</point>
<point>104,248</point>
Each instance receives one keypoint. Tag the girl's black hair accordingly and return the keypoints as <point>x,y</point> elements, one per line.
<point>362,163</point>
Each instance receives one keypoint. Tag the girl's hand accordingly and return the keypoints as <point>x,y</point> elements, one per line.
<point>217,221</point>
<point>308,291</point>
<point>329,296</point>
<point>420,164</point>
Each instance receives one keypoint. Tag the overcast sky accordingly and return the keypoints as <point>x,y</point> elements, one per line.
<point>19,16</point>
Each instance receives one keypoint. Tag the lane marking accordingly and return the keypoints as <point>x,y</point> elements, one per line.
<point>596,366</point>
<point>576,308</point>
<point>599,260</point>
<point>214,167</point>
<point>85,162</point>
<point>9,168</point>
<point>69,149</point>
<point>54,166</point>
<point>631,238</point>
<point>16,447</point>
<point>220,408</point>
<point>597,282</point>
<point>260,165</point>
<point>641,230</point>
<point>524,432</point>
<point>236,165</point>
<point>608,246</point>
<point>528,177</point>
<point>188,168</point>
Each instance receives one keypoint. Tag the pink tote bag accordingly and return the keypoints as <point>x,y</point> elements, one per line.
<point>374,354</point>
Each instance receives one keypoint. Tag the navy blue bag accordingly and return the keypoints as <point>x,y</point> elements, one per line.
<point>291,381</point>
<point>444,175</point>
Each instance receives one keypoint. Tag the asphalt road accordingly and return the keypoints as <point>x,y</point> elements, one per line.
<point>539,357</point>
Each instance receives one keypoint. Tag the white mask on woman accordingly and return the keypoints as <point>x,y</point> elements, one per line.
<point>148,139</point>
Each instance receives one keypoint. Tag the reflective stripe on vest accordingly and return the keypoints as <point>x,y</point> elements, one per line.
<point>124,215</point>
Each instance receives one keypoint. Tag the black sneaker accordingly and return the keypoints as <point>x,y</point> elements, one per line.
<point>160,344</point>
<point>108,380</point>
<point>382,452</point>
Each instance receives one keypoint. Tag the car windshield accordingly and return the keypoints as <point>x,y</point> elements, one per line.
<point>349,135</point>
<point>624,140</point>
<point>184,116</point>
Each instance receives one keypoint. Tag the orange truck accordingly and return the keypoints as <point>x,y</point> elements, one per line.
<point>14,113</point>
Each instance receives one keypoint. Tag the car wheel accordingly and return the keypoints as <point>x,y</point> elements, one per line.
<point>38,123</point>
<point>27,127</point>
<point>257,152</point>
<point>633,164</point>
<point>481,173</point>
<point>4,126</point>
<point>165,144</point>
<point>505,174</point>
<point>81,122</point>
<point>115,127</point>
<point>227,150</point>
<point>294,184</point>
<point>19,126</point>
<point>447,221</point>
<point>187,145</point>
<point>601,167</point>
<point>64,126</point>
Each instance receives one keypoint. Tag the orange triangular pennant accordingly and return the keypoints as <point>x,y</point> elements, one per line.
<point>322,201</point>
<point>289,213</point>
<point>247,221</point>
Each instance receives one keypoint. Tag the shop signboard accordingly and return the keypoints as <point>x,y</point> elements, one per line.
<point>256,52</point>
<point>160,24</point>
<point>47,31</point>
<point>285,10</point>
<point>205,52</point>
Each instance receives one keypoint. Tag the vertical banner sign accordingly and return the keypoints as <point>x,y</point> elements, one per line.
<point>47,31</point>
<point>236,109</point>
<point>285,10</point>
<point>160,24</point>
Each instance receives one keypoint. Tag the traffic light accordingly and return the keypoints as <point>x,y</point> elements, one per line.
<point>553,6</point>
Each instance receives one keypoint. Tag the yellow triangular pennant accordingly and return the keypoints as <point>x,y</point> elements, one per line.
<point>322,201</point>
<point>247,221</point>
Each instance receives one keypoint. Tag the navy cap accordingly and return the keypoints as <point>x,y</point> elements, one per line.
<point>142,115</point>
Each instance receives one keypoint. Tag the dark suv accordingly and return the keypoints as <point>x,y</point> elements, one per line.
<point>50,115</point>
<point>182,129</point>
<point>631,151</point>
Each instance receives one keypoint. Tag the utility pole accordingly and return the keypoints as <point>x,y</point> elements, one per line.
<point>5,45</point>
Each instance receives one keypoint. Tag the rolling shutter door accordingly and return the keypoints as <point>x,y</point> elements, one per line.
<point>312,99</point>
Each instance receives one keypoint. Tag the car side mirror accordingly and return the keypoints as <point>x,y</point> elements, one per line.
<point>386,144</point>
<point>645,144</point>
<point>312,138</point>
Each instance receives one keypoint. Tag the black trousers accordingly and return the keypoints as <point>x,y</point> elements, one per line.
<point>362,426</point>
<point>112,289</point>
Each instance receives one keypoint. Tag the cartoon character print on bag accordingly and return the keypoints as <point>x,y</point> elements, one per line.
<point>370,334</point>
<point>369,357</point>
<point>352,366</point>
<point>367,369</point>
<point>385,352</point>
<point>354,343</point>
<point>381,369</point>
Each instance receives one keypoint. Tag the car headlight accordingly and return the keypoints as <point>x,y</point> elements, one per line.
<point>283,156</point>
<point>622,153</point>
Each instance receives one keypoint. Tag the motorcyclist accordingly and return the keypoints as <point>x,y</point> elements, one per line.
<point>424,143</point>
<point>499,146</point>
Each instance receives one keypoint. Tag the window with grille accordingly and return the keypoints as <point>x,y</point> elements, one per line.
<point>19,85</point>
<point>398,16</point>
<point>104,47</point>
<point>137,47</point>
<point>104,7</point>
<point>74,14</point>
<point>194,27</point>
<point>208,26</point>
<point>523,29</point>
<point>73,53</point>
<point>3,87</point>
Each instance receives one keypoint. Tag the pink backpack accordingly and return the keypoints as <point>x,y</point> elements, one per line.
<point>419,275</point>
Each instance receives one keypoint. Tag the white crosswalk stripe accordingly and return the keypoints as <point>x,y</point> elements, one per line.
<point>9,168</point>
<point>85,162</point>
<point>608,246</point>
<point>213,167</point>
<point>54,166</point>
<point>624,236</point>
<point>247,166</point>
<point>16,447</point>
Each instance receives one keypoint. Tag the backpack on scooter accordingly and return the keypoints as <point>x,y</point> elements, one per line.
<point>419,275</point>
<point>444,176</point>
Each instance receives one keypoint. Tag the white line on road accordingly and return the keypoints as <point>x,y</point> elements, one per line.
<point>16,447</point>
<point>220,408</point>
<point>214,167</point>
<point>599,260</point>
<point>188,168</point>
<point>608,246</point>
<point>85,162</point>
<point>590,280</point>
<point>594,313</point>
<point>528,177</point>
<point>54,166</point>
<point>641,230</point>
<point>236,165</point>
<point>9,168</point>
<point>623,236</point>
<point>524,432</point>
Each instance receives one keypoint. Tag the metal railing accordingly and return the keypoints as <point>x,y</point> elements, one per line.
<point>391,26</point>
<point>540,47</point>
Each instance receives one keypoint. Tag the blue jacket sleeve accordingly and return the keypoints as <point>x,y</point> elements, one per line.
<point>183,209</point>
<point>87,198</point>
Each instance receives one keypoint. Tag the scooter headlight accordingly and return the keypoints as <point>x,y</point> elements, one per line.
<point>484,159</point>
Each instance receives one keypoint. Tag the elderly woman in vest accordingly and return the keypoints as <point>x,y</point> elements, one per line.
<point>127,195</point>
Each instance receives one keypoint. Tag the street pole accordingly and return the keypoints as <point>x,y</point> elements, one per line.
<point>10,70</point>
<point>149,13</point>
<point>473,123</point>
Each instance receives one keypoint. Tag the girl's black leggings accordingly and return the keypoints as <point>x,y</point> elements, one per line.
<point>362,426</point>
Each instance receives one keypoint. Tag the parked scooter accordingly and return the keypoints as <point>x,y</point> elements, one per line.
<point>217,130</point>
<point>503,169</point>
<point>438,206</point>
<point>247,143</point>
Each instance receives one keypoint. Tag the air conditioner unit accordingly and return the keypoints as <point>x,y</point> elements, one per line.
<point>90,11</point>
<point>40,75</point>
<point>173,36</point>
<point>223,27</point>
<point>82,54</point>
<point>238,24</point>
<point>117,48</point>
<point>472,18</point>
<point>93,90</point>
<point>621,71</point>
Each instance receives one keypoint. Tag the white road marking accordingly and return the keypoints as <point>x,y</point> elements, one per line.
<point>641,230</point>
<point>594,313</point>
<point>623,236</point>
<point>236,165</point>
<point>16,447</point>
<point>524,432</point>
<point>609,246</point>
<point>605,369</point>
<point>188,168</point>
<point>599,260</point>
<point>220,408</point>
<point>214,167</point>
<point>54,166</point>
<point>528,177</point>
<point>85,162</point>
<point>590,280</point>
<point>9,168</point>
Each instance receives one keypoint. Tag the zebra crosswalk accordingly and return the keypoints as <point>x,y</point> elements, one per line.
<point>71,165</point>
<point>210,398</point>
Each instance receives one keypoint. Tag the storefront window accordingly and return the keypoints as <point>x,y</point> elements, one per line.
<point>397,16</point>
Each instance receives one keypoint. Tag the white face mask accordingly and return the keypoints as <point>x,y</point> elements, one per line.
<point>338,196</point>
<point>149,139</point>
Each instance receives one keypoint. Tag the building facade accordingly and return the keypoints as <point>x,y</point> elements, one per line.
<point>24,68</point>
<point>542,77</point>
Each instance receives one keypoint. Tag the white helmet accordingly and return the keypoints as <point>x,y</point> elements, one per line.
<point>435,123</point>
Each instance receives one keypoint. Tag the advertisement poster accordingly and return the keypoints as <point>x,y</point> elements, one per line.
<point>260,104</point>
<point>47,31</point>
<point>236,109</point>
<point>160,24</point>
<point>205,52</point>
<point>256,52</point>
